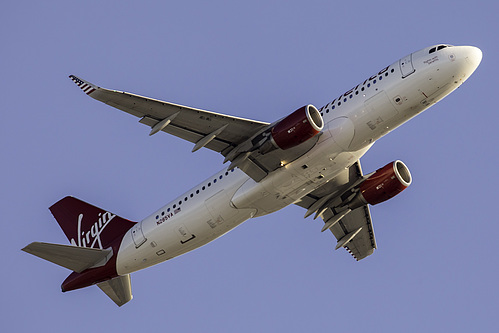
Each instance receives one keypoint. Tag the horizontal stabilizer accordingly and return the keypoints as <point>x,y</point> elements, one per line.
<point>118,289</point>
<point>74,258</point>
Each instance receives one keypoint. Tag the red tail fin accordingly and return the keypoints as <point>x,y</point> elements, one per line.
<point>88,226</point>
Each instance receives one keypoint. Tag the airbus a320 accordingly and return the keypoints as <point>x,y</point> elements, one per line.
<point>308,158</point>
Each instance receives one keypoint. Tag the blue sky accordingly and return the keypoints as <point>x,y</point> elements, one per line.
<point>435,268</point>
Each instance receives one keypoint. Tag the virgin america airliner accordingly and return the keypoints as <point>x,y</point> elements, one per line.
<point>309,158</point>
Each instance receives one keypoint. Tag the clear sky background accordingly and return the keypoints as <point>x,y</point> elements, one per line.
<point>436,267</point>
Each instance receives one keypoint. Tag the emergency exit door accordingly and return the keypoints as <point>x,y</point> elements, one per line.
<point>406,66</point>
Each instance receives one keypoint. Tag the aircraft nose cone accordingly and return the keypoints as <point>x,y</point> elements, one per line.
<point>474,56</point>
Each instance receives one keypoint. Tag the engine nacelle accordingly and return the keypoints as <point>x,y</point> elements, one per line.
<point>298,127</point>
<point>384,184</point>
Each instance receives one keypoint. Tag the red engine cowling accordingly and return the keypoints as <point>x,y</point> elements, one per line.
<point>298,127</point>
<point>385,183</point>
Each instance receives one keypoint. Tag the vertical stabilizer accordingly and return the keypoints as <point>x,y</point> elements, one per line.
<point>88,226</point>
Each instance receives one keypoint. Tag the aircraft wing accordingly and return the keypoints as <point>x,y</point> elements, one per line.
<point>182,121</point>
<point>354,231</point>
<point>228,135</point>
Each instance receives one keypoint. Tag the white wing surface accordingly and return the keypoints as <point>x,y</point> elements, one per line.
<point>228,135</point>
<point>182,121</point>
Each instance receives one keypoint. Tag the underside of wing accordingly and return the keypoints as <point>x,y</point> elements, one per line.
<point>353,229</point>
<point>233,137</point>
<point>182,121</point>
<point>363,243</point>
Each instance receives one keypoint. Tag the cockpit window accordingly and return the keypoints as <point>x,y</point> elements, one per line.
<point>438,48</point>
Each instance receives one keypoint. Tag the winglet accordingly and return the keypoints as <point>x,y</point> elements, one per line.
<point>87,87</point>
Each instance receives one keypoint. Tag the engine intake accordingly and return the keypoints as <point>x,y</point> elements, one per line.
<point>298,127</point>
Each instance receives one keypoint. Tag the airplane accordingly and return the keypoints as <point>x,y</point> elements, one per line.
<point>310,158</point>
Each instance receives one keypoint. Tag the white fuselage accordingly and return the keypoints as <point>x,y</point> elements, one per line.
<point>353,122</point>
